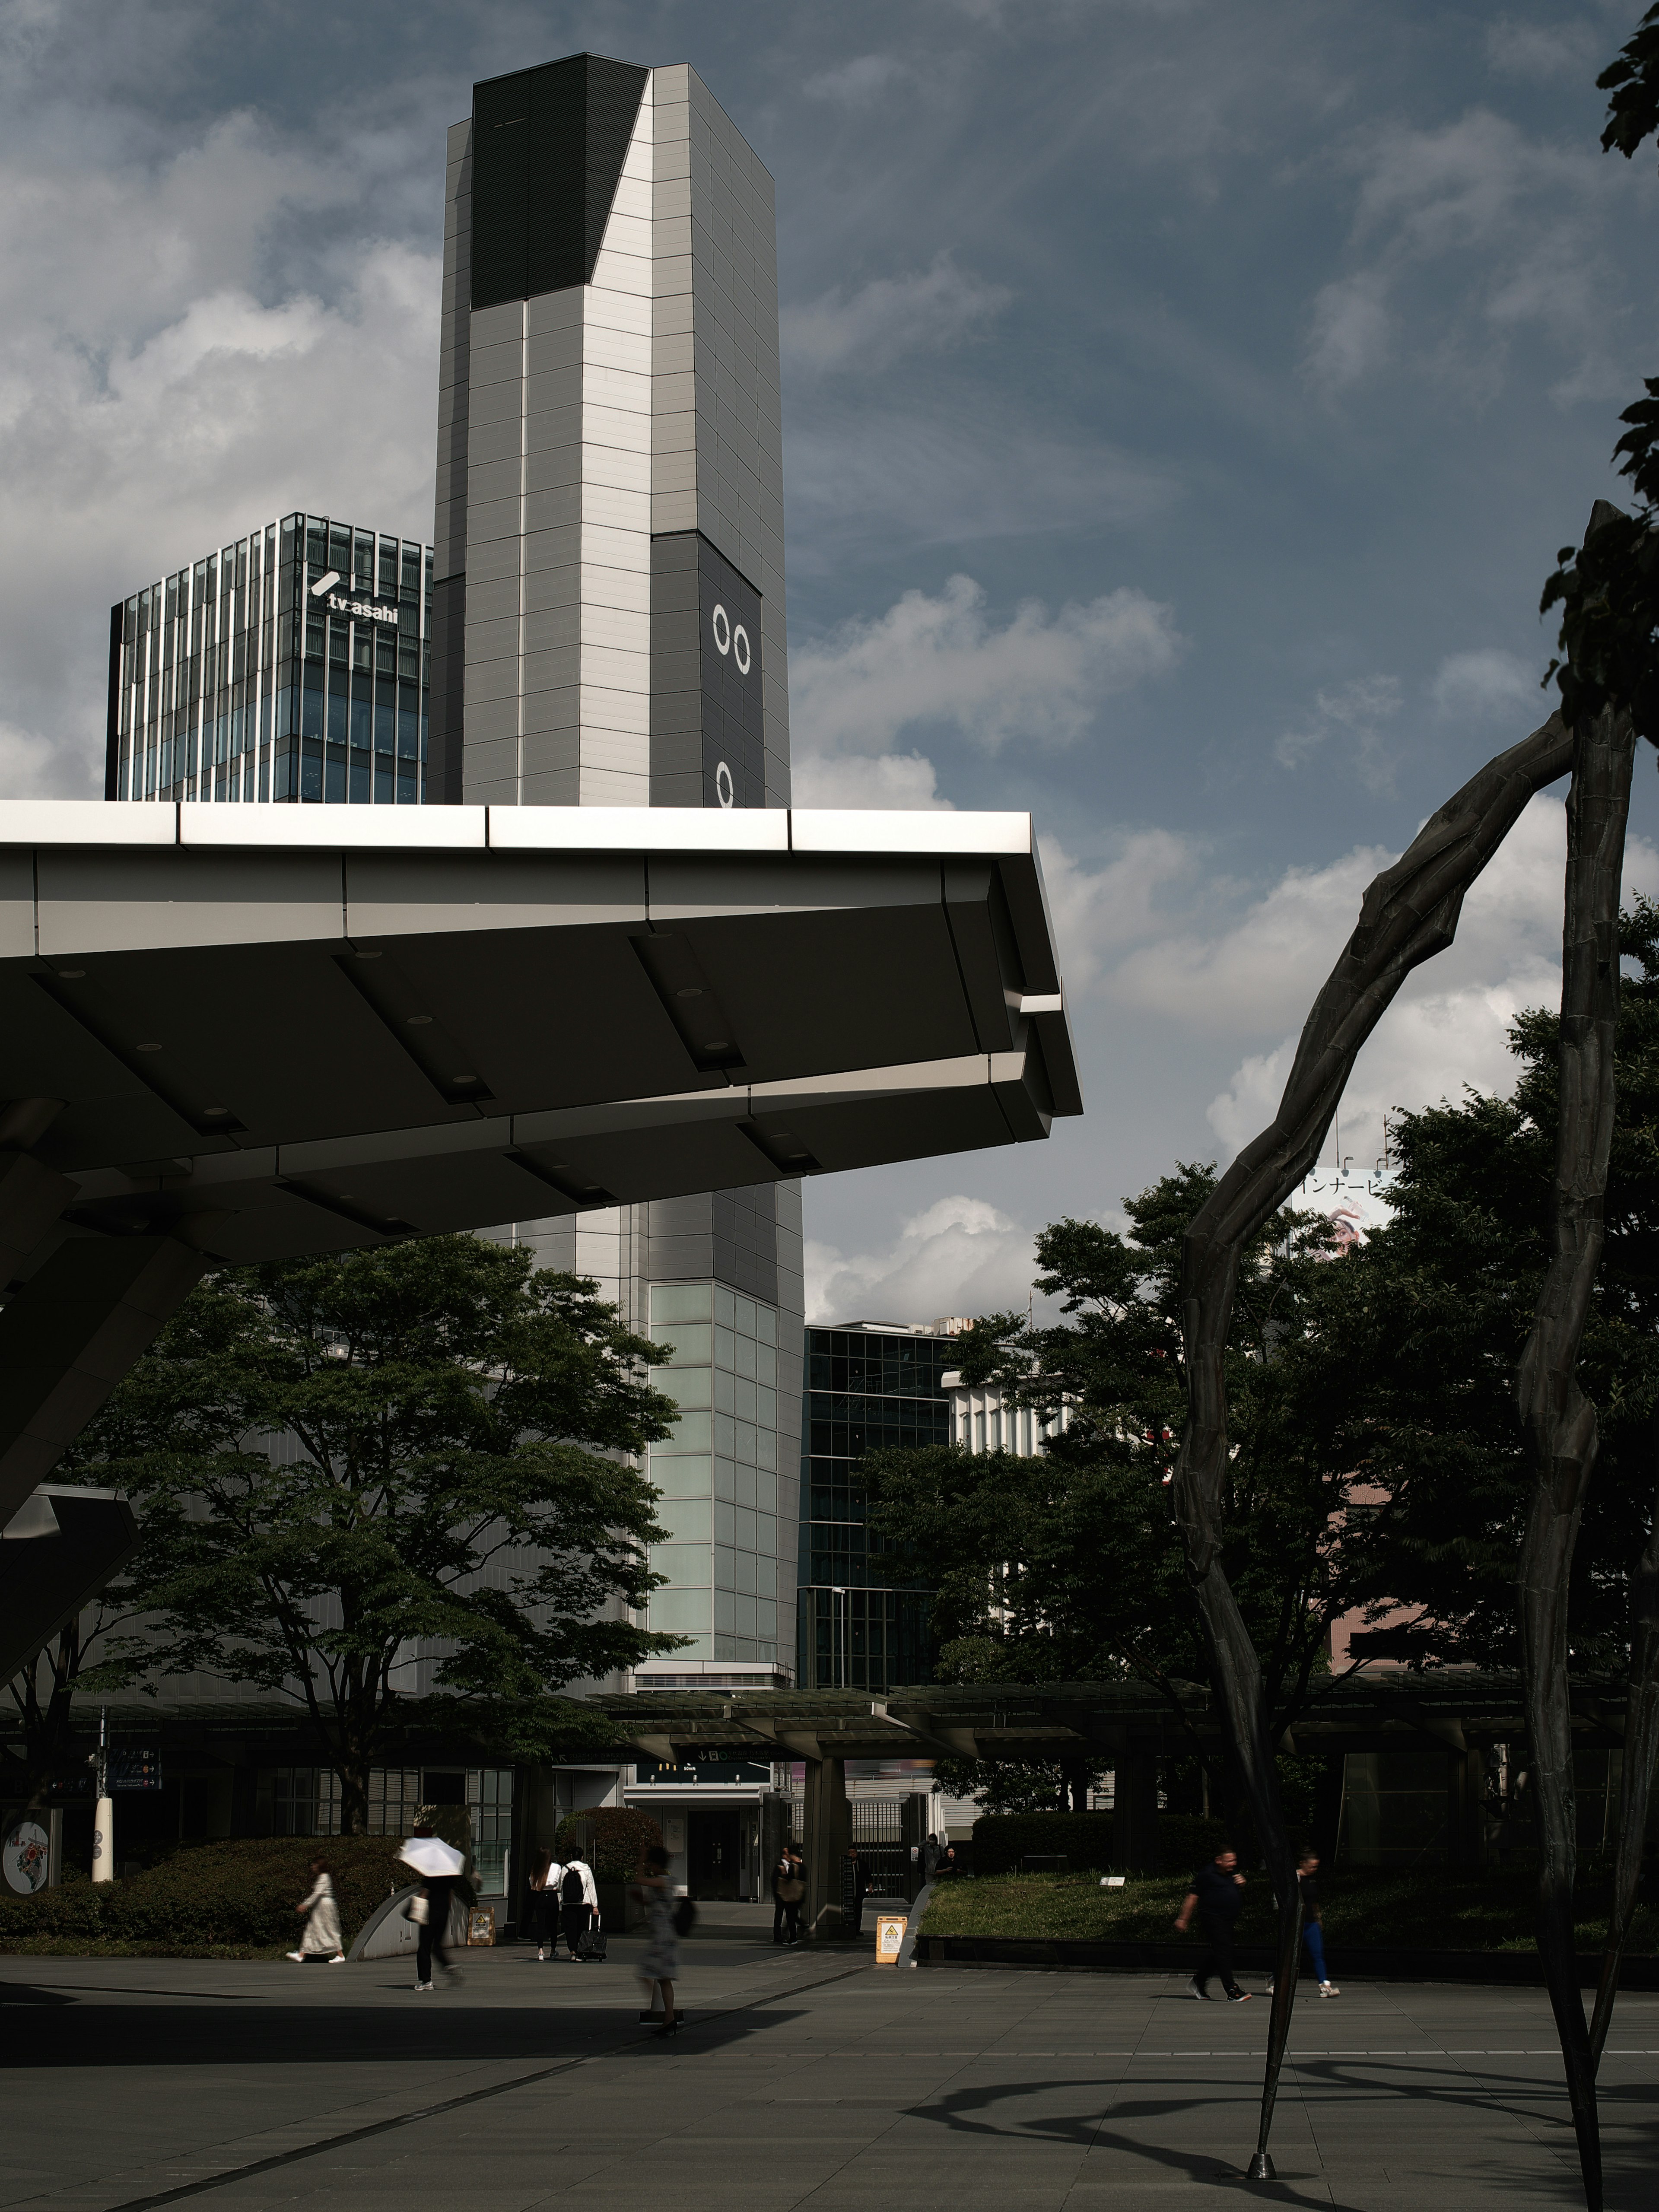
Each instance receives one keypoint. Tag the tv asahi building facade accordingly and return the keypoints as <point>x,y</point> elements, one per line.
<point>608,630</point>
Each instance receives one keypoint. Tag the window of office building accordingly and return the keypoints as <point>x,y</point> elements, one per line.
<point>304,1801</point>
<point>865,1389</point>
<point>717,1472</point>
<point>290,665</point>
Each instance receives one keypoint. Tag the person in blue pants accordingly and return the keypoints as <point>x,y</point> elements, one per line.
<point>1313,1931</point>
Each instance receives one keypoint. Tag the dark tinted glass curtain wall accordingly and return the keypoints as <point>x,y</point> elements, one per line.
<point>548,148</point>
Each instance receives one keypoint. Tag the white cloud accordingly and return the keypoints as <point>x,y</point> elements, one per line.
<point>1351,332</point>
<point>869,329</point>
<point>1037,678</point>
<point>961,1256</point>
<point>904,780</point>
<point>1487,683</point>
<point>860,82</point>
<point>1356,710</point>
<point>1462,234</point>
<point>951,473</point>
<point>1099,913</point>
<point>1450,1026</point>
<point>1560,54</point>
<point>154,403</point>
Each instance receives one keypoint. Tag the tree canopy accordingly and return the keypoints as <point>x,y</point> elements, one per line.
<point>1378,1468</point>
<point>355,1472</point>
<point>1088,1578</point>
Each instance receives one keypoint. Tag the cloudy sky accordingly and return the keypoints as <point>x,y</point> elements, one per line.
<point>1183,405</point>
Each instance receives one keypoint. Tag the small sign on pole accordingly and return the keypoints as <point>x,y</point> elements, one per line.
<point>132,1769</point>
<point>890,1936</point>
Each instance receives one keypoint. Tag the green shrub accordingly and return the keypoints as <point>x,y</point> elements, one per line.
<point>1436,1908</point>
<point>240,1893</point>
<point>620,1834</point>
<point>1185,1840</point>
<point>1001,1840</point>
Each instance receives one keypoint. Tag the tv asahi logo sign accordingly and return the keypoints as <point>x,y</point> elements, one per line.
<point>341,603</point>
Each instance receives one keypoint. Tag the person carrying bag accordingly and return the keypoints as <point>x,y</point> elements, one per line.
<point>579,1898</point>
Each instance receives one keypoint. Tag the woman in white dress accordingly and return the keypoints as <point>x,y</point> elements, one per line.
<point>322,1917</point>
<point>661,1962</point>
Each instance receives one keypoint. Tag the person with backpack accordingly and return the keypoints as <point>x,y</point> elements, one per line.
<point>579,1899</point>
<point>545,1876</point>
<point>660,1965</point>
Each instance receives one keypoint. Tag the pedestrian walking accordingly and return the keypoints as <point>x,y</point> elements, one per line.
<point>321,1914</point>
<point>930,1857</point>
<point>659,1967</point>
<point>545,1875</point>
<point>579,1899</point>
<point>1217,1895</point>
<point>1313,1925</point>
<point>788,1894</point>
<point>854,1888</point>
<point>437,1863</point>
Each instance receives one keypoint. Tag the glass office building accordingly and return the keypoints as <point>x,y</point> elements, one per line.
<point>291,664</point>
<point>868,1385</point>
<point>718,1474</point>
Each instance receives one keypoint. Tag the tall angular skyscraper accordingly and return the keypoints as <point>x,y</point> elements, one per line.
<point>608,630</point>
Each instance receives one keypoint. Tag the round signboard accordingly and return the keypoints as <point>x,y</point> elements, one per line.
<point>27,1855</point>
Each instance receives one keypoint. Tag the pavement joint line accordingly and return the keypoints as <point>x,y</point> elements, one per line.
<point>226,2176</point>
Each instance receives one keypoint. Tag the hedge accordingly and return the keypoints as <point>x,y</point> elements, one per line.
<point>621,1834</point>
<point>1185,1840</point>
<point>239,1894</point>
<point>1001,1840</point>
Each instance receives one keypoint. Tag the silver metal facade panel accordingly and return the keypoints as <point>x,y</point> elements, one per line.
<point>576,427</point>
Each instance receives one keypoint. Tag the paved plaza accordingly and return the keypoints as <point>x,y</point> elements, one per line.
<point>806,2079</point>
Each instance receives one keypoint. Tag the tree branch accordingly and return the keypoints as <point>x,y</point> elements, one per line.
<point>1410,913</point>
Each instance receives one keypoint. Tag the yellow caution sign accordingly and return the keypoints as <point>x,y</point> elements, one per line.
<point>889,1937</point>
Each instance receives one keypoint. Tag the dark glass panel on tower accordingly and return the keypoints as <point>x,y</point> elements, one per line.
<point>548,148</point>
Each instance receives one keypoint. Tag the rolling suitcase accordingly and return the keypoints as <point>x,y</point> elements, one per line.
<point>591,1943</point>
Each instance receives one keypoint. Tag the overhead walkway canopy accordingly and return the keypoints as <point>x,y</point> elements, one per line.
<point>242,1033</point>
<point>1127,1726</point>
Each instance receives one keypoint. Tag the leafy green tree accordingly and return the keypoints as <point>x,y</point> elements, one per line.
<point>1067,1565</point>
<point>80,1660</point>
<point>343,1463</point>
<point>1425,1322</point>
<point>1379,1464</point>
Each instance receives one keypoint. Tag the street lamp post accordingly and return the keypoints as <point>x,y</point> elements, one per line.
<point>844,1622</point>
<point>103,1825</point>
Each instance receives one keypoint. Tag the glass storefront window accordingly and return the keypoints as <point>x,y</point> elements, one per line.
<point>304,1801</point>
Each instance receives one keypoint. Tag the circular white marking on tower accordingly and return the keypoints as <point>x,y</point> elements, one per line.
<point>740,652</point>
<point>720,622</point>
<point>724,789</point>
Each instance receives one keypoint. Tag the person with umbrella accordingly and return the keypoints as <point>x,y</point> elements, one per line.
<point>437,1864</point>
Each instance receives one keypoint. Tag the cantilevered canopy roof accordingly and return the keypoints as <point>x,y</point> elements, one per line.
<point>296,1029</point>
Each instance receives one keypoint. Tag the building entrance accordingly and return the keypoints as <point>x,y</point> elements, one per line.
<point>712,1851</point>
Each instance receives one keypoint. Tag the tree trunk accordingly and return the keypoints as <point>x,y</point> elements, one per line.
<point>1635,1778</point>
<point>1409,913</point>
<point>1557,1421</point>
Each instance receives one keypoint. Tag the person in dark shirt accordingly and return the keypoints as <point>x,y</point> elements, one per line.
<point>1217,1895</point>
<point>1313,1926</point>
